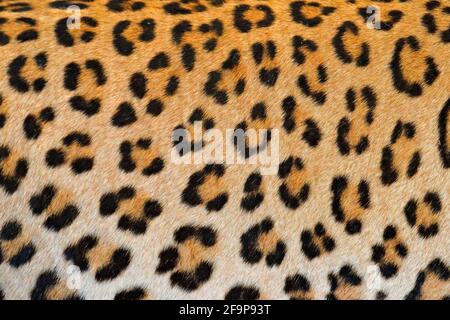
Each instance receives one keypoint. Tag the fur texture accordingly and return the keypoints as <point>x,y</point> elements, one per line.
<point>92,207</point>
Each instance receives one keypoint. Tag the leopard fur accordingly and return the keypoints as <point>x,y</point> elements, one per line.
<point>92,207</point>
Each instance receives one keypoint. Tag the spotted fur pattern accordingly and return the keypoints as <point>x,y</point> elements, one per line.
<point>91,205</point>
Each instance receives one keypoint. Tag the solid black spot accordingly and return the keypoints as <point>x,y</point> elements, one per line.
<point>31,127</point>
<point>77,138</point>
<point>38,203</point>
<point>99,72</point>
<point>76,253</point>
<point>39,84</point>
<point>443,129</point>
<point>88,108</point>
<point>135,225</point>
<point>414,165</point>
<point>131,294</point>
<point>23,256</point>
<point>401,250</point>
<point>388,173</point>
<point>319,97</point>
<point>179,30</point>
<point>55,157</point>
<point>242,293</point>
<point>62,33</point>
<point>388,270</point>
<point>168,259</point>
<point>2,120</point>
<point>87,36</point>
<point>81,165</point>
<point>152,209</point>
<point>172,86</point>
<point>389,233</point>
<point>309,248</point>
<point>250,251</point>
<point>429,22</point>
<point>122,45</point>
<point>159,61</point>
<point>155,107</point>
<point>175,8</point>
<point>210,45</point>
<point>432,72</point>
<point>378,253</point>
<point>10,230</point>
<point>428,231</point>
<point>62,219</point>
<point>413,89</point>
<point>4,39</point>
<point>211,88</point>
<point>276,257</point>
<point>258,111</point>
<point>72,73</point>
<point>155,166</point>
<point>188,57</point>
<point>217,203</point>
<point>126,193</point>
<point>328,244</point>
<point>252,201</point>
<point>410,212</point>
<point>119,262</point>
<point>124,115</point>
<point>45,282</point>
<point>312,133</point>
<point>240,22</point>
<point>431,5</point>
<point>362,145</point>
<point>14,73</point>
<point>108,204</point>
<point>138,84</point>
<point>438,267</point>
<point>253,182</point>
<point>293,201</point>
<point>296,283</point>
<point>349,276</point>
<point>299,17</point>
<point>240,87</point>
<point>341,51</point>
<point>207,236</point>
<point>47,114</point>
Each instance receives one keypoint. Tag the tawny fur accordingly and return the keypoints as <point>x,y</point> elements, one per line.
<point>359,208</point>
